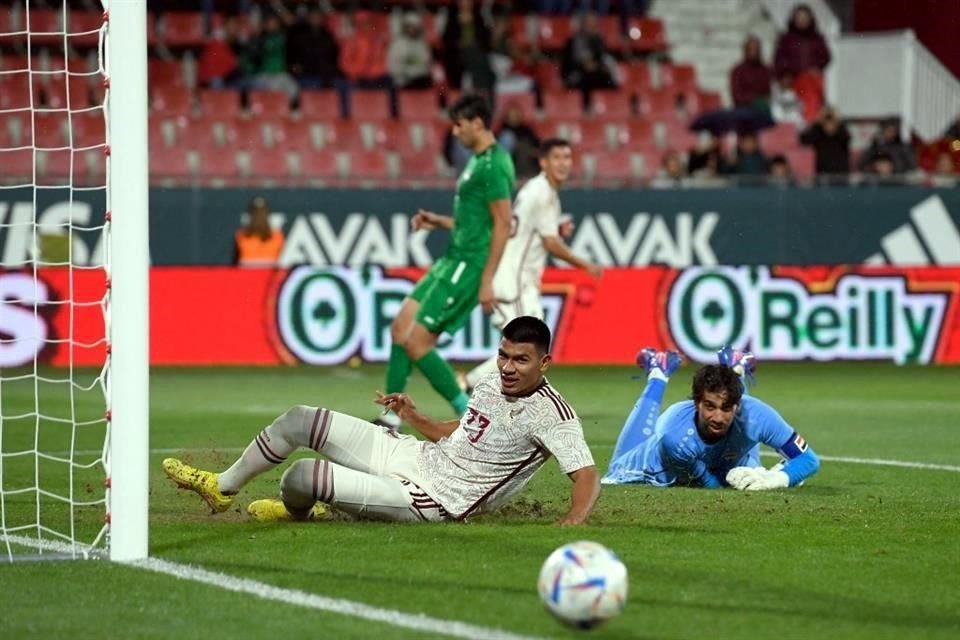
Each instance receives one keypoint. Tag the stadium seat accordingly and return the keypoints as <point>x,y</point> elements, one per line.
<point>612,165</point>
<point>169,162</point>
<point>708,101</point>
<point>369,104</point>
<point>17,166</point>
<point>389,134</point>
<point>657,104</point>
<point>182,28</point>
<point>269,104</point>
<point>15,91</point>
<point>423,135</point>
<point>87,23</point>
<point>318,164</point>
<point>526,101</point>
<point>646,34</point>
<point>296,135</point>
<point>611,105</point>
<point>160,133</point>
<point>47,22</point>
<point>636,134</point>
<point>343,135</point>
<point>802,162</point>
<point>563,105</point>
<point>222,104</point>
<point>523,30</point>
<point>547,76</point>
<point>245,133</point>
<point>217,164</point>
<point>61,167</point>
<point>553,32</point>
<point>89,129</point>
<point>675,134</point>
<point>588,136</point>
<point>679,77</point>
<point>171,100</point>
<point>646,163</point>
<point>268,163</point>
<point>779,139</point>
<point>368,164</point>
<point>418,104</point>
<point>319,104</point>
<point>202,132</point>
<point>609,27</point>
<point>49,130</point>
<point>635,77</point>
<point>418,165</point>
<point>164,73</point>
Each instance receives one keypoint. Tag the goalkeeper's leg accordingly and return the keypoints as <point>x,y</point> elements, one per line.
<point>642,420</point>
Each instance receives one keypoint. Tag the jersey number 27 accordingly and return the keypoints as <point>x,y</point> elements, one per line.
<point>476,424</point>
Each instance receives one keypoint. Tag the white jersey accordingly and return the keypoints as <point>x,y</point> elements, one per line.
<point>536,215</point>
<point>500,443</point>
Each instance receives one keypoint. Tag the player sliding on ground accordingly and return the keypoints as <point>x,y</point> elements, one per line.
<point>444,298</point>
<point>534,232</point>
<point>515,420</point>
<point>712,440</point>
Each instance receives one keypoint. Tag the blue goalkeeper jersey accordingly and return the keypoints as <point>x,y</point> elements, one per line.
<point>675,454</point>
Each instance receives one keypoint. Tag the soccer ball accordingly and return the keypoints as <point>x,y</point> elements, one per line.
<point>583,584</point>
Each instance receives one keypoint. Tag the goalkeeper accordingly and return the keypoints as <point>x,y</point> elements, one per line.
<point>712,440</point>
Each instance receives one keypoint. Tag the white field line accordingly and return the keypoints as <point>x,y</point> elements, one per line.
<point>416,622</point>
<point>879,462</point>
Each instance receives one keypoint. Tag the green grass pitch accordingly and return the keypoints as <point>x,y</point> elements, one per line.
<point>862,551</point>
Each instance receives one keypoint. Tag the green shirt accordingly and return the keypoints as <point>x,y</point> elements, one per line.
<point>488,176</point>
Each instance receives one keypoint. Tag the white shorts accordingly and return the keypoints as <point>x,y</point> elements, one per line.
<point>528,303</point>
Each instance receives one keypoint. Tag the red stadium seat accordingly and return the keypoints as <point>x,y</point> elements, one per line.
<point>563,105</point>
<point>391,134</point>
<point>547,75</point>
<point>609,27</point>
<point>269,104</point>
<point>17,166</point>
<point>415,105</point>
<point>636,77</point>
<point>646,34</point>
<point>222,104</point>
<point>369,104</point>
<point>217,164</point>
<point>423,135</point>
<point>636,134</point>
<point>49,130</point>
<point>588,136</point>
<point>526,101</point>
<point>318,164</point>
<point>708,100</point>
<point>245,133</point>
<point>679,77</point>
<point>15,91</point>
<point>269,163</point>
<point>612,165</point>
<point>611,105</point>
<point>46,26</point>
<point>87,23</point>
<point>171,101</point>
<point>802,162</point>
<point>183,28</point>
<point>658,105</point>
<point>418,165</point>
<point>201,133</point>
<point>164,73</point>
<point>343,135</point>
<point>523,30</point>
<point>169,162</point>
<point>677,135</point>
<point>369,164</point>
<point>89,129</point>
<point>779,139</point>
<point>295,135</point>
<point>319,105</point>
<point>59,167</point>
<point>553,32</point>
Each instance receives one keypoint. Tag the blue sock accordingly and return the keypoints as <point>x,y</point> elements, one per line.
<point>641,421</point>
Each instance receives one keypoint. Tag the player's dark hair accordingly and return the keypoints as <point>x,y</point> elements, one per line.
<point>470,106</point>
<point>550,144</point>
<point>716,378</point>
<point>529,330</point>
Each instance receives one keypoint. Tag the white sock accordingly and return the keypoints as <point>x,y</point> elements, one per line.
<point>481,371</point>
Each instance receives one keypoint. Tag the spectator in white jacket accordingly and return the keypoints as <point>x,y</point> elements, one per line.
<point>409,58</point>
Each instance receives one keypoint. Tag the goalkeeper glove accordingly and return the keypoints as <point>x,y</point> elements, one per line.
<point>757,479</point>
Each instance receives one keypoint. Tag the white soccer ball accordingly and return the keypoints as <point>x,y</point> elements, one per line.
<point>583,584</point>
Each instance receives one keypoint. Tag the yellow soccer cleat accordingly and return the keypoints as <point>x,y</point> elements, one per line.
<point>273,510</point>
<point>203,483</point>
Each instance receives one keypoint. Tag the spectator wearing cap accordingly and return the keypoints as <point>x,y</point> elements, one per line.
<point>888,145</point>
<point>257,244</point>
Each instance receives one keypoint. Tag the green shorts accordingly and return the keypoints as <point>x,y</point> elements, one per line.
<point>447,294</point>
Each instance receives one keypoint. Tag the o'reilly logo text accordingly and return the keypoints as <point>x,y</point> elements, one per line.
<point>861,317</point>
<point>325,316</point>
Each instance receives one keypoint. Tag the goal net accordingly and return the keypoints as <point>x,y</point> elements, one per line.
<point>59,286</point>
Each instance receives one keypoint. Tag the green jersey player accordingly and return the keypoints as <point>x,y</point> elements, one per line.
<point>444,298</point>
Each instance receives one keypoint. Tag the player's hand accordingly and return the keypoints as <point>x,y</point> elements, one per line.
<point>399,403</point>
<point>486,296</point>
<point>757,479</point>
<point>424,219</point>
<point>740,477</point>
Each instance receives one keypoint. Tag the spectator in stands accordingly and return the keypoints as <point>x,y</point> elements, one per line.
<point>467,40</point>
<point>888,145</point>
<point>831,144</point>
<point>364,58</point>
<point>785,104</point>
<point>585,63</point>
<point>945,174</point>
<point>313,53</point>
<point>519,138</point>
<point>263,60</point>
<point>672,172</point>
<point>513,66</point>
<point>750,80</point>
<point>781,174</point>
<point>409,58</point>
<point>749,159</point>
<point>802,54</point>
<point>219,64</point>
<point>257,244</point>
<point>706,160</point>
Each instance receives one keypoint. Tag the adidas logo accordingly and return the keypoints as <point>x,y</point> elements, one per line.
<point>930,238</point>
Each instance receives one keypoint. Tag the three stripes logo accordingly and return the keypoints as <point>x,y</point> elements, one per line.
<point>930,238</point>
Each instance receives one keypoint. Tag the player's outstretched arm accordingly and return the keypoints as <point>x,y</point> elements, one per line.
<point>556,247</point>
<point>583,495</point>
<point>402,405</point>
<point>501,213</point>
<point>428,220</point>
